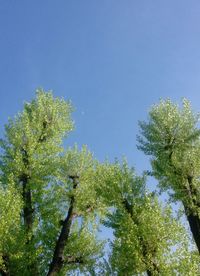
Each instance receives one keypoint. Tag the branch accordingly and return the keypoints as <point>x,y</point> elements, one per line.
<point>73,260</point>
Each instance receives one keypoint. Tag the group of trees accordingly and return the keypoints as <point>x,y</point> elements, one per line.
<point>53,200</point>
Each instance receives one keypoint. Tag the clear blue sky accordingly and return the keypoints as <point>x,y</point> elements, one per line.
<point>112,58</point>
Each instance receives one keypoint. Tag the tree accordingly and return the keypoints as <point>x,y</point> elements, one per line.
<point>147,237</point>
<point>53,199</point>
<point>48,204</point>
<point>172,137</point>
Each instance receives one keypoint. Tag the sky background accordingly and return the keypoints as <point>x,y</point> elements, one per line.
<point>112,58</point>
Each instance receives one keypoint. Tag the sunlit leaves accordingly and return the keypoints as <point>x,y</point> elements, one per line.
<point>69,183</point>
<point>171,137</point>
<point>11,233</point>
<point>147,237</point>
<point>32,150</point>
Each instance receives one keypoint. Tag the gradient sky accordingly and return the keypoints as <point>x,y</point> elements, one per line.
<point>112,58</point>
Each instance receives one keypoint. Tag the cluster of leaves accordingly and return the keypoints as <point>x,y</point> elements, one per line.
<point>172,137</point>
<point>53,200</point>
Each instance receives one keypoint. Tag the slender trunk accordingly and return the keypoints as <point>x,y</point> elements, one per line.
<point>28,224</point>
<point>28,216</point>
<point>193,218</point>
<point>58,256</point>
<point>194,223</point>
<point>26,194</point>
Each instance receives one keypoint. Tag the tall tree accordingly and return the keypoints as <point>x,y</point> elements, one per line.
<point>45,191</point>
<point>147,237</point>
<point>172,137</point>
<point>76,244</point>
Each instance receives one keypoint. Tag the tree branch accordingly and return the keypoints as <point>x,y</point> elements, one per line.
<point>73,260</point>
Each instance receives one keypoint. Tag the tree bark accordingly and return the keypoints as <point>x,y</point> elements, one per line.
<point>28,214</point>
<point>58,256</point>
<point>192,216</point>
<point>26,194</point>
<point>194,223</point>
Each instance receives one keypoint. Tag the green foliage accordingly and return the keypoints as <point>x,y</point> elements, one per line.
<point>34,136</point>
<point>33,162</point>
<point>147,237</point>
<point>11,234</point>
<point>45,189</point>
<point>171,137</point>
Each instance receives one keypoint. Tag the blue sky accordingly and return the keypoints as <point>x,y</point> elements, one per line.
<point>113,59</point>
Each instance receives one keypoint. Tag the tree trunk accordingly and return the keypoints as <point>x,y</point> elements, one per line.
<point>193,218</point>
<point>28,215</point>
<point>58,257</point>
<point>194,223</point>
<point>26,194</point>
